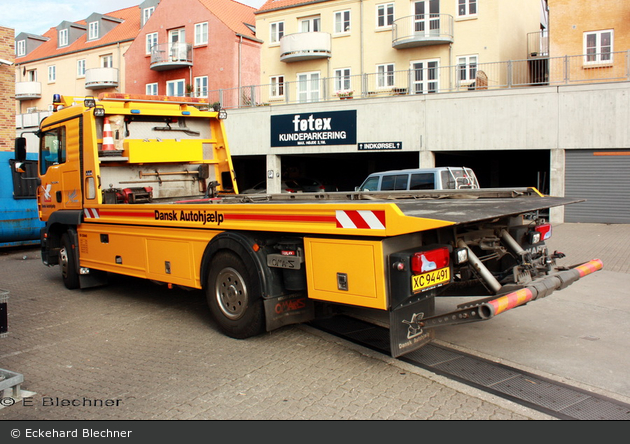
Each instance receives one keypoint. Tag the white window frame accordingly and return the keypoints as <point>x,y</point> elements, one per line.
<point>466,64</point>
<point>308,86</point>
<point>20,48</point>
<point>62,38</point>
<point>107,61</point>
<point>276,32</point>
<point>201,86</point>
<point>310,24</point>
<point>599,57</point>
<point>201,33</point>
<point>385,13</point>
<point>176,88</point>
<point>342,22</point>
<point>385,77</point>
<point>465,6</point>
<point>93,31</point>
<point>343,80</point>
<point>81,68</point>
<point>151,41</point>
<point>276,87</point>
<point>31,75</point>
<point>151,89</point>
<point>147,13</point>
<point>425,83</point>
<point>52,74</point>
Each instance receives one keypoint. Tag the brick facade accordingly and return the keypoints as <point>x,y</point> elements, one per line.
<point>7,90</point>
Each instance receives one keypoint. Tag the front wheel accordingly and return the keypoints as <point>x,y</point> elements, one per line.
<point>234,296</point>
<point>67,262</point>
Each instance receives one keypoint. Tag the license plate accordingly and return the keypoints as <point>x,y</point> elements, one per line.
<point>431,279</point>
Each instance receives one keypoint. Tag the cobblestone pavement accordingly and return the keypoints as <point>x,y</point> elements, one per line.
<point>134,350</point>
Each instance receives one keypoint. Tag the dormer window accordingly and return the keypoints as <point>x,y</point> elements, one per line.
<point>63,38</point>
<point>93,31</point>
<point>20,48</point>
<point>147,13</point>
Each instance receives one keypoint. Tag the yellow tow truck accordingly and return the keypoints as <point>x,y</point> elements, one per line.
<point>144,186</point>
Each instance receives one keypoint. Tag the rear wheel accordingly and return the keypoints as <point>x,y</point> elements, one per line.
<point>67,262</point>
<point>234,296</point>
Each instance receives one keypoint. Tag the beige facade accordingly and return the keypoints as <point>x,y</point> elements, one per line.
<point>400,46</point>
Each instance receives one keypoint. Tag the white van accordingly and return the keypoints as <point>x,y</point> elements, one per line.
<point>441,178</point>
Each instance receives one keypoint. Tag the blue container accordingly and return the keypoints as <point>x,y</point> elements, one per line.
<point>19,220</point>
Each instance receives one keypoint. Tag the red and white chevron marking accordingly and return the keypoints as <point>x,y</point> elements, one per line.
<point>361,219</point>
<point>91,213</point>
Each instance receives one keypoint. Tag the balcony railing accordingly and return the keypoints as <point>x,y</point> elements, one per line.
<point>305,46</point>
<point>171,56</point>
<point>422,30</point>
<point>433,79</point>
<point>28,90</point>
<point>538,44</point>
<point>100,78</point>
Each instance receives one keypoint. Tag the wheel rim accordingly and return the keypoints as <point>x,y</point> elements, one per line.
<point>63,261</point>
<point>231,293</point>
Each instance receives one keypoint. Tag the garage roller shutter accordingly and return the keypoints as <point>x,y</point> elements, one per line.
<point>603,178</point>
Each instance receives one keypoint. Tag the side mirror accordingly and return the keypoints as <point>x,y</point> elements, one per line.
<point>20,149</point>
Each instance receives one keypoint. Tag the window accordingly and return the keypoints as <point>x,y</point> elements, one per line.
<point>385,75</point>
<point>107,61</point>
<point>52,148</point>
<point>310,24</point>
<point>152,89</point>
<point>20,48</point>
<point>427,16</point>
<point>397,182</point>
<point>63,38</point>
<point>276,32</point>
<point>422,181</point>
<point>152,40</point>
<point>308,87</point>
<point>176,88</point>
<point>201,33</point>
<point>342,80</point>
<point>31,75</point>
<point>52,73</point>
<point>147,13</point>
<point>201,86</point>
<point>466,8</point>
<point>93,30</point>
<point>598,47</point>
<point>342,22</point>
<point>276,87</point>
<point>467,69</point>
<point>425,76</point>
<point>81,68</point>
<point>384,15</point>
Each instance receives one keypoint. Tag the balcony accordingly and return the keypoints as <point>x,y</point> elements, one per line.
<point>171,56</point>
<point>28,90</point>
<point>538,45</point>
<point>305,46</point>
<point>422,30</point>
<point>100,78</point>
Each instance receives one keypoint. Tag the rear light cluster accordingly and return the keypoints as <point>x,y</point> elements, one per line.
<point>430,260</point>
<point>541,233</point>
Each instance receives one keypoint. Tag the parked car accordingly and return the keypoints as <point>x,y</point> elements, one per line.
<point>441,178</point>
<point>288,186</point>
<point>309,185</point>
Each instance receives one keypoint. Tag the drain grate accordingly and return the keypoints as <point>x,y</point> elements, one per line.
<point>550,397</point>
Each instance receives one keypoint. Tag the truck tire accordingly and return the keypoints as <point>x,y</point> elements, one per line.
<point>67,262</point>
<point>234,294</point>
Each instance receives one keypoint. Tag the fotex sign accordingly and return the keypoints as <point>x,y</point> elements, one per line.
<point>307,129</point>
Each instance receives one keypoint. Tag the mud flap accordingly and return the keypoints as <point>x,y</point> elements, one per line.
<point>288,309</point>
<point>405,332</point>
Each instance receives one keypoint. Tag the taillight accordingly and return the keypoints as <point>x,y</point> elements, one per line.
<point>541,233</point>
<point>430,260</point>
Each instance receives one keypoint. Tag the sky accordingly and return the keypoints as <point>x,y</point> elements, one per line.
<point>38,16</point>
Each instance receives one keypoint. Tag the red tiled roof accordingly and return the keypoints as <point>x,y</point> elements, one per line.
<point>271,5</point>
<point>233,14</point>
<point>127,30</point>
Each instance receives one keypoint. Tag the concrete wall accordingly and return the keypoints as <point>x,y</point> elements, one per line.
<point>540,118</point>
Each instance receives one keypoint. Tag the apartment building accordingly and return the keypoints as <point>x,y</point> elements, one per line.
<point>80,58</point>
<point>191,47</point>
<point>376,47</point>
